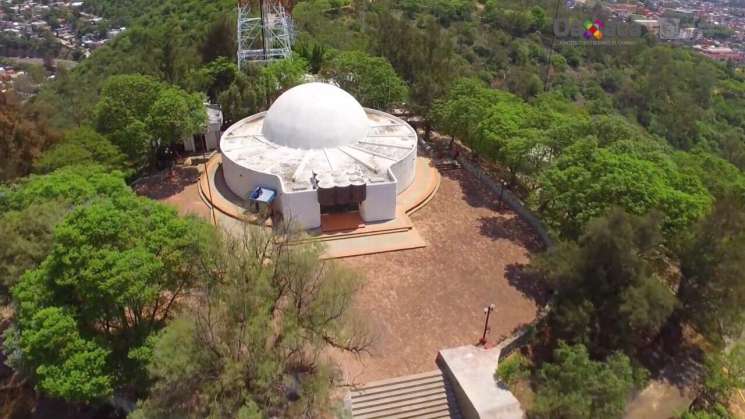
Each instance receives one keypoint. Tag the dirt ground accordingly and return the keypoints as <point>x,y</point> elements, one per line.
<point>178,188</point>
<point>419,301</point>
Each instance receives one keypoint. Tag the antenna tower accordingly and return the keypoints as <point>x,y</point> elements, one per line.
<point>264,31</point>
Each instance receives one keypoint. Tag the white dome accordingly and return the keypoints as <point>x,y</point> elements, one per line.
<point>314,116</point>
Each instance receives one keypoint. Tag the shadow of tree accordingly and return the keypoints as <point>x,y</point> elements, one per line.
<point>528,283</point>
<point>672,357</point>
<point>167,183</point>
<point>474,192</point>
<point>512,228</point>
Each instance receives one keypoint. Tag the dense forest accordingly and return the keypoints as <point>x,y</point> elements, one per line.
<point>632,155</point>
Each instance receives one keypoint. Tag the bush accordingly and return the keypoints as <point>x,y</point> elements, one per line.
<point>513,369</point>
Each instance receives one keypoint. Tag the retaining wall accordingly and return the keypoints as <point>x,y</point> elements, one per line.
<point>510,199</point>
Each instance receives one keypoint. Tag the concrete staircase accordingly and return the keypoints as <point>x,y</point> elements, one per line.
<point>421,396</point>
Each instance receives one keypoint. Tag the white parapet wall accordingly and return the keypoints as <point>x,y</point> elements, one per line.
<point>242,180</point>
<point>379,203</point>
<point>404,171</point>
<point>301,208</point>
<point>470,370</point>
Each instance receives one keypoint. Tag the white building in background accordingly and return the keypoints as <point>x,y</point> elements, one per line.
<point>210,138</point>
<point>316,150</point>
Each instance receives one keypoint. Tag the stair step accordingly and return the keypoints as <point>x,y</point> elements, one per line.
<point>401,387</point>
<point>338,235</point>
<point>386,405</point>
<point>372,244</point>
<point>401,393</point>
<point>408,411</point>
<point>446,414</point>
<point>387,398</point>
<point>401,379</point>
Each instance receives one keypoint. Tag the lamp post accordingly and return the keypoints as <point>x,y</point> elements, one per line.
<point>488,311</point>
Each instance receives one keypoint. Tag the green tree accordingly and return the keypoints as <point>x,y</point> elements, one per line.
<point>124,98</point>
<point>278,76</point>
<point>465,105</point>
<point>122,111</point>
<point>720,177</point>
<point>371,80</point>
<point>220,40</point>
<point>215,77</point>
<point>573,386</point>
<point>249,345</point>
<point>242,98</point>
<point>27,237</point>
<point>72,184</point>
<point>609,295</point>
<point>174,116</point>
<point>116,270</point>
<point>66,365</point>
<point>80,147</point>
<point>587,180</point>
<point>712,289</point>
<point>724,373</point>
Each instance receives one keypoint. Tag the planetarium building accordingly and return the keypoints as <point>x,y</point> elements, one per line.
<point>317,151</point>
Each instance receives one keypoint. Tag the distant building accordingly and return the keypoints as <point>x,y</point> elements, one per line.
<point>622,10</point>
<point>652,25</point>
<point>721,53</point>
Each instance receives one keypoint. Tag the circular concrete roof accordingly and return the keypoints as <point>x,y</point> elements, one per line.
<point>315,116</point>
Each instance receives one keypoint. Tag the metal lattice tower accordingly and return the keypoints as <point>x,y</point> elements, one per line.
<point>264,36</point>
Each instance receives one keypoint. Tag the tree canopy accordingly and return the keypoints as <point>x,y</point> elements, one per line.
<point>573,386</point>
<point>249,346</point>
<point>609,293</point>
<point>371,80</point>
<point>712,290</point>
<point>587,180</point>
<point>82,146</point>
<point>141,115</point>
<point>115,270</point>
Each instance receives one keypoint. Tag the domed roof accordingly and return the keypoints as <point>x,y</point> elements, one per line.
<point>315,116</point>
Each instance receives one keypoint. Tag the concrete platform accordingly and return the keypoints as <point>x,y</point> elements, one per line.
<point>345,235</point>
<point>471,370</point>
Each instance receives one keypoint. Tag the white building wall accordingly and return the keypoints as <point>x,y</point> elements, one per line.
<point>212,137</point>
<point>189,143</point>
<point>404,171</point>
<point>242,181</point>
<point>301,208</point>
<point>379,203</point>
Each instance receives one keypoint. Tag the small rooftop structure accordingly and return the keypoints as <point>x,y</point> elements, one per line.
<point>209,137</point>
